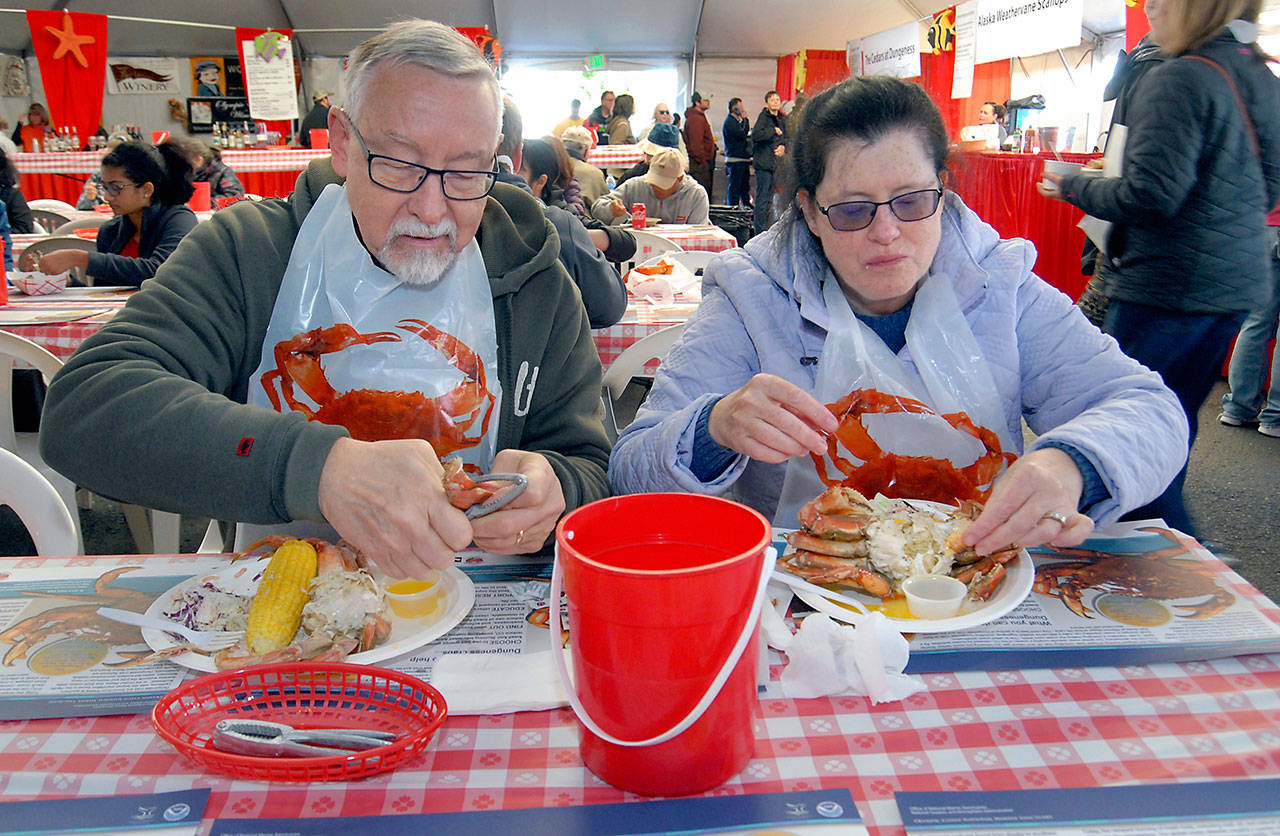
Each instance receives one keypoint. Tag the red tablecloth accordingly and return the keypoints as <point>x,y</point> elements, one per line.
<point>1001,188</point>
<point>615,156</point>
<point>267,172</point>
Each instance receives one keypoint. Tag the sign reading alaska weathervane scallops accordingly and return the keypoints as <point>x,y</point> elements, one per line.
<point>1008,28</point>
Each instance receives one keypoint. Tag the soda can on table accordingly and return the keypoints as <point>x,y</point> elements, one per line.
<point>639,216</point>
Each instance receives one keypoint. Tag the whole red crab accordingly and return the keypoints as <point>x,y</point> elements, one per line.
<point>451,422</point>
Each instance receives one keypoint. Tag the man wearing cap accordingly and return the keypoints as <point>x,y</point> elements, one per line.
<point>659,136</point>
<point>577,141</point>
<point>317,119</point>
<point>668,195</point>
<point>308,362</point>
<point>700,141</point>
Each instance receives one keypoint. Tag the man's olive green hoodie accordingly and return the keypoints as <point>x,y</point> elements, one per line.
<point>152,409</point>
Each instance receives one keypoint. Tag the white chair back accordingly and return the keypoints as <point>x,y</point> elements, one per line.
<point>70,227</point>
<point>631,363</point>
<point>649,245</point>
<point>50,204</point>
<point>47,220</point>
<point>37,504</point>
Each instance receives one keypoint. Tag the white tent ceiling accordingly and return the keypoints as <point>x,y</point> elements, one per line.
<point>533,28</point>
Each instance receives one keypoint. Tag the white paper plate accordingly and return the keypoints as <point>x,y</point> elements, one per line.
<point>1016,587</point>
<point>242,578</point>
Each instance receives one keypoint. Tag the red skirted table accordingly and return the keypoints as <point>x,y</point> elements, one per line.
<point>269,172</point>
<point>1001,188</point>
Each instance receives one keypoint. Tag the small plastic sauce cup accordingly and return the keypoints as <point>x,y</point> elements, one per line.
<point>415,597</point>
<point>934,596</point>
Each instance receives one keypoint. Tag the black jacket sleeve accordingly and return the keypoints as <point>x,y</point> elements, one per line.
<point>19,213</point>
<point>158,242</point>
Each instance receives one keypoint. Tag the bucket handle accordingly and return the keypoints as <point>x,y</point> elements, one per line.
<point>557,653</point>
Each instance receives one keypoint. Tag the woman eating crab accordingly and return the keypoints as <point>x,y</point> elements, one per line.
<point>880,336</point>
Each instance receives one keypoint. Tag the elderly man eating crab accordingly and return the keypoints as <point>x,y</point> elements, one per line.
<point>315,358</point>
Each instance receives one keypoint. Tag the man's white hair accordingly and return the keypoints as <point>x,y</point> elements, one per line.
<point>422,43</point>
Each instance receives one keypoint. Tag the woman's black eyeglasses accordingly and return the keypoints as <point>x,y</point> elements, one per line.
<point>405,177</point>
<point>858,214</point>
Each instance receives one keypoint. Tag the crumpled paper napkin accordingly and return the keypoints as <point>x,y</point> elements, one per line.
<point>488,683</point>
<point>664,289</point>
<point>826,658</point>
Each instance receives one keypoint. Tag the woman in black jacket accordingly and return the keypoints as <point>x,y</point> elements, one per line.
<point>14,201</point>
<point>1201,169</point>
<point>147,188</point>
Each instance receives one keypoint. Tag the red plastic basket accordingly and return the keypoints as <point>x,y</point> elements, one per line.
<point>306,695</point>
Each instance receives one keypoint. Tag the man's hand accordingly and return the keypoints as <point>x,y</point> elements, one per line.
<point>777,130</point>
<point>779,150</point>
<point>59,261</point>
<point>523,524</point>
<point>771,420</point>
<point>617,208</point>
<point>387,499</point>
<point>90,191</point>
<point>1044,481</point>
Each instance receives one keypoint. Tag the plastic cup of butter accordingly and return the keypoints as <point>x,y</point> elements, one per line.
<point>414,598</point>
<point>934,596</point>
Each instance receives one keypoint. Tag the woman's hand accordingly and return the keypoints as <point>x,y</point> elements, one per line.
<point>771,420</point>
<point>1042,483</point>
<point>1053,192</point>
<point>59,261</point>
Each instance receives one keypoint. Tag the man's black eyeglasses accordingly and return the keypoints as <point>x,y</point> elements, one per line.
<point>405,177</point>
<point>858,214</point>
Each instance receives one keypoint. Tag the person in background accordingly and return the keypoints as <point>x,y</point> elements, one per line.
<point>603,292</point>
<point>603,112</point>
<point>992,113</point>
<point>700,141</point>
<point>660,136</point>
<point>1130,69</point>
<point>577,142</point>
<point>581,252</point>
<point>1247,403</point>
<point>768,145</point>
<point>317,118</point>
<point>737,152</point>
<point>34,130</point>
<point>147,188</point>
<point>669,195</point>
<point>11,196</point>
<point>408,224</point>
<point>6,234</point>
<point>1190,243</point>
<point>207,165</point>
<point>619,126</point>
<point>573,120</point>
<point>661,115</point>
<point>872,243</point>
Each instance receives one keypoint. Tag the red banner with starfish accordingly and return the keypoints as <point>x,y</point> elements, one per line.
<point>72,50</point>
<point>1135,22</point>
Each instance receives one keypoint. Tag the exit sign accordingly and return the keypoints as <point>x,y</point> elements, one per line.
<point>595,62</point>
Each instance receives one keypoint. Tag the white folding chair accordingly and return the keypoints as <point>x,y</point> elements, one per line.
<point>46,220</point>
<point>691,260</point>
<point>50,204</point>
<point>38,506</point>
<point>631,363</point>
<point>19,352</point>
<point>70,227</point>
<point>649,245</point>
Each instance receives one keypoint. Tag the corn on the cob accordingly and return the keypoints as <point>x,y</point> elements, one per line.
<point>282,593</point>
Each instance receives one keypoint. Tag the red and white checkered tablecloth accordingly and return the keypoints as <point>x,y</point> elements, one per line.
<point>87,162</point>
<point>63,338</point>
<point>704,237</point>
<point>615,156</point>
<point>640,320</point>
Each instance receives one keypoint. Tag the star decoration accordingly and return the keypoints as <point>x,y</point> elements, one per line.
<point>69,41</point>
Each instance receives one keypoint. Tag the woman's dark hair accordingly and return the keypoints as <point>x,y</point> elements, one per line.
<point>997,109</point>
<point>8,174</point>
<point>863,109</point>
<point>541,158</point>
<point>624,105</point>
<point>164,166</point>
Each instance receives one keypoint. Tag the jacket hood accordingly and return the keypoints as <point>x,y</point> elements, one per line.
<point>515,239</point>
<point>1145,50</point>
<point>968,251</point>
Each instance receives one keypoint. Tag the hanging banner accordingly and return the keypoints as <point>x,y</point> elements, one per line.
<point>895,52</point>
<point>1009,28</point>
<point>1135,22</point>
<point>853,56</point>
<point>966,24</point>
<point>266,59</point>
<point>71,48</point>
<point>142,75</point>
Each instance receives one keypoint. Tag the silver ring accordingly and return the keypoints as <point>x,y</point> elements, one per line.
<point>1056,516</point>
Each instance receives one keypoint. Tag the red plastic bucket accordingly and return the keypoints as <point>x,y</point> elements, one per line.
<point>664,601</point>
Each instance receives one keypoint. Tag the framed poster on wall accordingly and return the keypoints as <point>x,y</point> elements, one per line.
<point>204,111</point>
